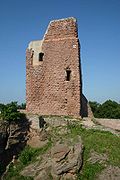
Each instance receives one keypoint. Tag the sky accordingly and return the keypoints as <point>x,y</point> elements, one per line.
<point>99,33</point>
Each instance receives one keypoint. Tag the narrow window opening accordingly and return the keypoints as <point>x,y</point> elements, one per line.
<point>41,56</point>
<point>68,75</point>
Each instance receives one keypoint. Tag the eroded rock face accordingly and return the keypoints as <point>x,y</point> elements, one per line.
<point>3,135</point>
<point>61,162</point>
<point>13,138</point>
<point>37,138</point>
<point>66,159</point>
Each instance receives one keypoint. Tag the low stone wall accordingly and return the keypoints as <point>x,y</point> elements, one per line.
<point>54,121</point>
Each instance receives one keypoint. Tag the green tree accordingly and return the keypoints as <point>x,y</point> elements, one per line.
<point>94,106</point>
<point>1,106</point>
<point>22,106</point>
<point>9,112</point>
<point>109,109</point>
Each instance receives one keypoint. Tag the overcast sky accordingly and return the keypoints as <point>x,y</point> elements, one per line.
<point>99,34</point>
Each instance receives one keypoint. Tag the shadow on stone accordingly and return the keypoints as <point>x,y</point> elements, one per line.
<point>84,105</point>
<point>13,140</point>
<point>41,122</point>
<point>85,108</point>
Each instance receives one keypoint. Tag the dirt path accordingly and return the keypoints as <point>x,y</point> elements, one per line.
<point>110,123</point>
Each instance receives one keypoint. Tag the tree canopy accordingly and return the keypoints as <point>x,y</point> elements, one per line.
<point>9,112</point>
<point>109,109</point>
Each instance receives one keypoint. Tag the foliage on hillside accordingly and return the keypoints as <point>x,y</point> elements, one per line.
<point>9,112</point>
<point>22,106</point>
<point>109,109</point>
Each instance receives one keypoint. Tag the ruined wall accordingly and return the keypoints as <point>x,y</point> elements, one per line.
<point>53,85</point>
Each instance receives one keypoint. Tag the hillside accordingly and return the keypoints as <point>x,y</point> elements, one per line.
<point>67,148</point>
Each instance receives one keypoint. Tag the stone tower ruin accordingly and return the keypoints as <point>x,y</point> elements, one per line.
<point>53,71</point>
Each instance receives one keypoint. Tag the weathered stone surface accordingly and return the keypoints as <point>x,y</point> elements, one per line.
<point>96,157</point>
<point>48,91</point>
<point>68,176</point>
<point>12,134</point>
<point>59,152</point>
<point>72,163</point>
<point>37,138</point>
<point>110,173</point>
<point>17,133</point>
<point>3,135</point>
<point>57,122</point>
<point>13,138</point>
<point>42,175</point>
<point>61,162</point>
<point>86,109</point>
<point>109,123</point>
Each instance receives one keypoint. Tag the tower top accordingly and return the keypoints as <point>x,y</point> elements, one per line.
<point>61,28</point>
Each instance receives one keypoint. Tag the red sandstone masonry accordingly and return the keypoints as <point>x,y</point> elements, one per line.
<point>47,91</point>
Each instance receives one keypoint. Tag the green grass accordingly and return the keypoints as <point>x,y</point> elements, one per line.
<point>27,156</point>
<point>99,141</point>
<point>89,171</point>
<point>13,173</point>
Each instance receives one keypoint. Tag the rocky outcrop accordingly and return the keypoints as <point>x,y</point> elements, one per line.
<point>61,162</point>
<point>3,135</point>
<point>37,138</point>
<point>13,138</point>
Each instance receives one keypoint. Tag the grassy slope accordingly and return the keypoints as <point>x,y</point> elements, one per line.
<point>99,141</point>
